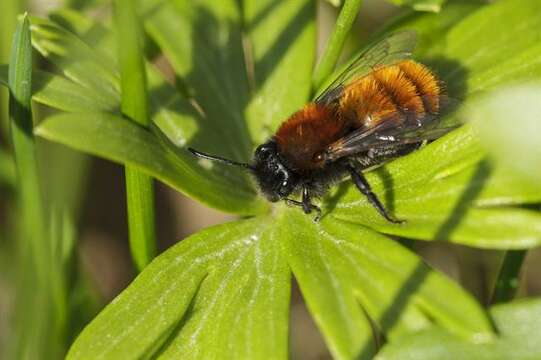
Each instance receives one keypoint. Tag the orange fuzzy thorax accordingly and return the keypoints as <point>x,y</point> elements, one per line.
<point>306,132</point>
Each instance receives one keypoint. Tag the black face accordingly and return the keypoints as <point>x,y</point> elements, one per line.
<point>275,179</point>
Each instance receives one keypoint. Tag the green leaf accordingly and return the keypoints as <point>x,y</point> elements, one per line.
<point>515,145</point>
<point>455,195</point>
<point>281,38</point>
<point>507,122</point>
<point>340,266</point>
<point>431,28</point>
<point>203,43</point>
<point>221,293</point>
<point>173,114</point>
<point>77,61</point>
<point>518,325</point>
<point>473,55</point>
<point>63,94</point>
<point>421,5</point>
<point>120,140</point>
<point>226,291</point>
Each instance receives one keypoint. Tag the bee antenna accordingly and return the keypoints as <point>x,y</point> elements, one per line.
<point>219,159</point>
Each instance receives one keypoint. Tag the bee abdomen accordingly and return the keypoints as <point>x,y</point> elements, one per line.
<point>427,85</point>
<point>404,92</point>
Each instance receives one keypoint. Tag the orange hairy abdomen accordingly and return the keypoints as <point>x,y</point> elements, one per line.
<point>307,132</point>
<point>407,90</point>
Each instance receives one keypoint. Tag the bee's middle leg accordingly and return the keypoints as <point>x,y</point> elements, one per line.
<point>364,187</point>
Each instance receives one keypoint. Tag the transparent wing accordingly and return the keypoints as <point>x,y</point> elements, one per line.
<point>391,131</point>
<point>394,48</point>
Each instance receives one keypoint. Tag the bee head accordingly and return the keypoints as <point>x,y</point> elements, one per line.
<point>275,180</point>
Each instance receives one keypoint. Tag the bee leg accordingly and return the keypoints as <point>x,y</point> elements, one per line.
<point>306,205</point>
<point>364,187</point>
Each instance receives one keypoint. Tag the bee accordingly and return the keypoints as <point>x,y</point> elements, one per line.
<point>382,106</point>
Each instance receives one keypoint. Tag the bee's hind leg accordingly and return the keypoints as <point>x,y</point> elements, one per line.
<point>306,204</point>
<point>364,187</point>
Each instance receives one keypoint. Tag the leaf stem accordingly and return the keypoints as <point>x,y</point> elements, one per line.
<point>509,277</point>
<point>336,41</point>
<point>134,104</point>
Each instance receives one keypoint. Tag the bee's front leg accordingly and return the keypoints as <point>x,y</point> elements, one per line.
<point>306,204</point>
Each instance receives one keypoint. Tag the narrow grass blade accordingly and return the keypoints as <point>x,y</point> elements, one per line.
<point>336,41</point>
<point>134,104</point>
<point>9,10</point>
<point>36,334</point>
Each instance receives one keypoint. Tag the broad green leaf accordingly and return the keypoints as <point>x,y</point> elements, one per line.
<point>431,28</point>
<point>455,195</point>
<point>203,43</point>
<point>63,94</point>
<point>281,46</point>
<point>120,140</point>
<point>518,327</point>
<point>342,267</point>
<point>223,292</point>
<point>508,125</point>
<point>226,290</point>
<point>474,55</point>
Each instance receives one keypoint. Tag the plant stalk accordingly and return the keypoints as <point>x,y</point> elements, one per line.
<point>134,105</point>
<point>508,279</point>
<point>332,52</point>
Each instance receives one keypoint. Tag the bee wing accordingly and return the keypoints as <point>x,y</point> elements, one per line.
<point>395,48</point>
<point>389,132</point>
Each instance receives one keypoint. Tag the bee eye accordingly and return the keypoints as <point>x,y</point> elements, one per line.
<point>263,152</point>
<point>318,157</point>
<point>283,190</point>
